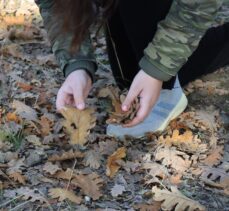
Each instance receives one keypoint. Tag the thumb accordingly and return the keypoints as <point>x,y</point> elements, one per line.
<point>132,94</point>
<point>79,99</point>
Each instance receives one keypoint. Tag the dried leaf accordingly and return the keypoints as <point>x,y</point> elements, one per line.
<point>186,142</point>
<point>118,116</point>
<point>170,157</point>
<point>155,173</point>
<point>175,200</point>
<point>17,177</point>
<point>15,166</point>
<point>117,190</point>
<point>90,184</point>
<point>63,194</point>
<point>93,159</point>
<point>78,124</point>
<point>66,156</point>
<point>107,147</point>
<point>26,194</point>
<point>215,177</point>
<point>24,111</point>
<point>112,165</point>
<point>148,207</point>
<point>51,168</point>
<point>46,125</point>
<point>214,157</point>
<point>12,117</point>
<point>24,86</point>
<point>66,175</point>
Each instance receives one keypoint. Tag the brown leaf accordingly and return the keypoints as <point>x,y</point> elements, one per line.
<point>63,194</point>
<point>215,177</point>
<point>214,157</point>
<point>78,124</point>
<point>46,126</point>
<point>112,165</point>
<point>185,142</point>
<point>24,86</point>
<point>173,158</point>
<point>107,147</point>
<point>117,190</point>
<point>93,159</point>
<point>155,172</point>
<point>118,116</point>
<point>12,117</point>
<point>174,199</point>
<point>66,156</point>
<point>51,168</point>
<point>66,175</point>
<point>90,184</point>
<point>24,111</point>
<point>148,207</point>
<point>17,177</point>
<point>14,20</point>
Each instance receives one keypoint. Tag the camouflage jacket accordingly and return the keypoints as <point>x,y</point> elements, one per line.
<point>176,38</point>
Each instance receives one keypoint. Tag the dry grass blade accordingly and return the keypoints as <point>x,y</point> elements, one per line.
<point>66,156</point>
<point>175,200</point>
<point>63,194</point>
<point>78,124</point>
<point>112,162</point>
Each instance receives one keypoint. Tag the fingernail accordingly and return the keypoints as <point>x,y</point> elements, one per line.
<point>124,107</point>
<point>81,106</point>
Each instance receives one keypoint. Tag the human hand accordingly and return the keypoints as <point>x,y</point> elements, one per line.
<point>74,90</point>
<point>148,89</point>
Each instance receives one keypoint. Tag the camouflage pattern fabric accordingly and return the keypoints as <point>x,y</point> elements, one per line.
<point>176,38</point>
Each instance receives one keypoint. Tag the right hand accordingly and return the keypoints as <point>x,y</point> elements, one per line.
<point>74,90</point>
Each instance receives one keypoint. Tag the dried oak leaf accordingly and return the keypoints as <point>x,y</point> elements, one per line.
<point>78,124</point>
<point>155,206</point>
<point>155,172</point>
<point>93,159</point>
<point>13,117</point>
<point>90,184</point>
<point>24,86</point>
<point>63,194</point>
<point>118,116</point>
<point>117,190</point>
<point>29,194</point>
<point>66,175</point>
<point>18,177</point>
<point>185,142</point>
<point>112,162</point>
<point>24,111</point>
<point>66,156</point>
<point>46,126</point>
<point>175,200</point>
<point>216,177</point>
<point>51,168</point>
<point>214,157</point>
<point>171,157</point>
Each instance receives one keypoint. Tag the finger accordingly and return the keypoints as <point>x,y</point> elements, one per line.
<point>145,108</point>
<point>61,100</point>
<point>132,94</point>
<point>79,99</point>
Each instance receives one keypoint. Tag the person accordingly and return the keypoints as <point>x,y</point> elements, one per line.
<point>154,47</point>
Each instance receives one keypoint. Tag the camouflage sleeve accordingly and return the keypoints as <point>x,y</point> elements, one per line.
<point>178,36</point>
<point>61,43</point>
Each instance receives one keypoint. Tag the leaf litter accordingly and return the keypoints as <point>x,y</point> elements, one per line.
<point>57,164</point>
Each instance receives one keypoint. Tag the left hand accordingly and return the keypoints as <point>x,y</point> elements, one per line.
<point>148,89</point>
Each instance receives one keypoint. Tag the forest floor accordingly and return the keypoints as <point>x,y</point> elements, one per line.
<point>186,167</point>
